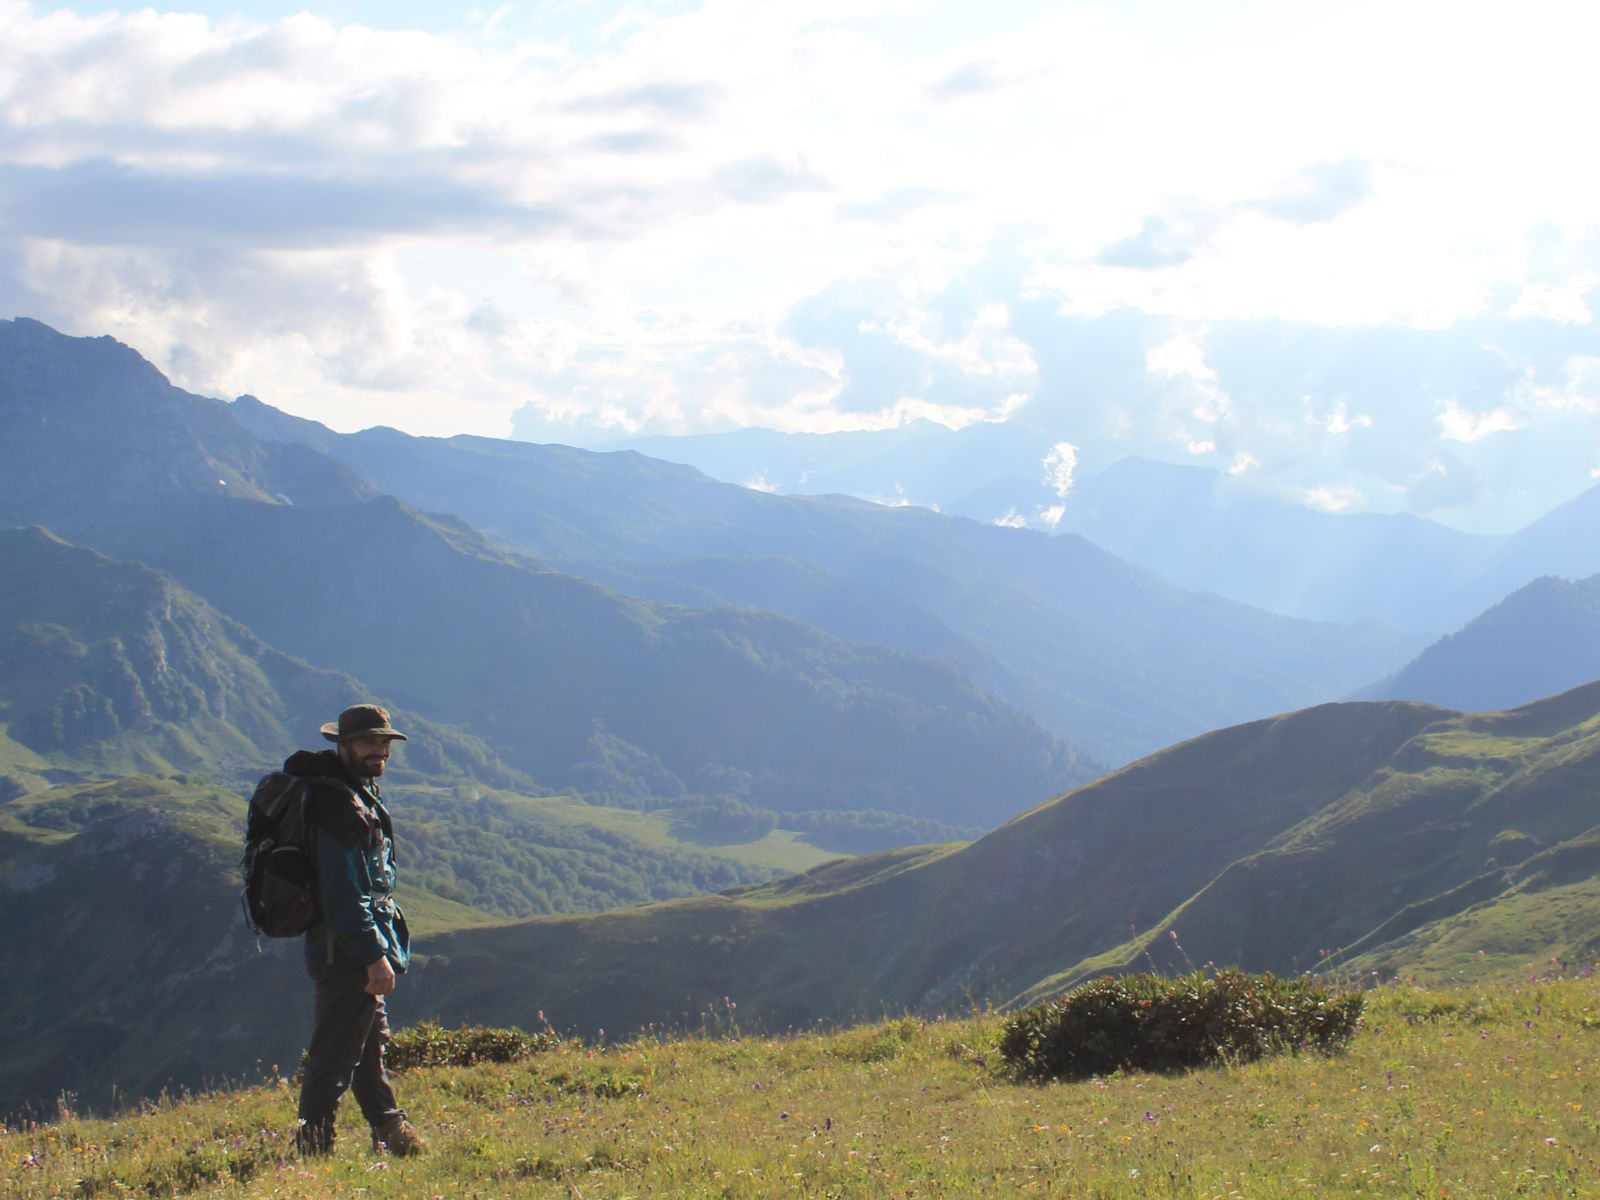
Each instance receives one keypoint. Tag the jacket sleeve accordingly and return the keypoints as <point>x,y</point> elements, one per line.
<point>345,893</point>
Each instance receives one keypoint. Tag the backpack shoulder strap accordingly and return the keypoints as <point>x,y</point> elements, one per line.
<point>337,809</point>
<point>269,803</point>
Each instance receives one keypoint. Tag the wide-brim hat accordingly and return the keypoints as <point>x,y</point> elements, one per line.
<point>362,720</point>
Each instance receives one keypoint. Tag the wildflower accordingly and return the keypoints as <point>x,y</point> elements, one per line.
<point>1550,1141</point>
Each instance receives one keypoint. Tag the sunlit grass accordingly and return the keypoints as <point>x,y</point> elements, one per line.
<point>1475,1092</point>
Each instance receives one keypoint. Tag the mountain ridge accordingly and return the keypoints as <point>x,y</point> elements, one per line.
<point>1359,811</point>
<point>1540,640</point>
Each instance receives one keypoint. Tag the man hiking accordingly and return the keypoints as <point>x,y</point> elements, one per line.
<point>354,952</point>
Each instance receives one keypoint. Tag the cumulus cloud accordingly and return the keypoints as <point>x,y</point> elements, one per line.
<point>1059,466</point>
<point>695,101</point>
<point>1457,424</point>
<point>104,203</point>
<point>1334,497</point>
<point>1161,242</point>
<point>900,358</point>
<point>897,204</point>
<point>968,79</point>
<point>1157,244</point>
<point>838,216</point>
<point>1567,302</point>
<point>763,179</point>
<point>1321,192</point>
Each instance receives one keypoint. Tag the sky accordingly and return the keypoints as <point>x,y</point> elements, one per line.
<point>1350,252</point>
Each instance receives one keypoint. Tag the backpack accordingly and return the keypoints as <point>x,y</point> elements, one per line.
<point>280,875</point>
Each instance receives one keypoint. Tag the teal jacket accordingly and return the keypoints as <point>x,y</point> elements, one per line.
<point>352,840</point>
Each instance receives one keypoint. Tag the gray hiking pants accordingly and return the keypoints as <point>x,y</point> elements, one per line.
<point>346,1053</point>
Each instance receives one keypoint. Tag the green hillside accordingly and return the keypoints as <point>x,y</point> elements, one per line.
<point>587,690</point>
<point>136,969</point>
<point>1270,845</point>
<point>111,668</point>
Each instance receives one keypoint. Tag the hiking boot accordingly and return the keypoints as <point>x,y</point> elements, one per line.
<point>313,1140</point>
<point>400,1137</point>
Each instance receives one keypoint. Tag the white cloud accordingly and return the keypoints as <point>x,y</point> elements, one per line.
<point>1338,419</point>
<point>1182,357</point>
<point>1567,302</point>
<point>1576,391</point>
<point>1012,519</point>
<point>1334,497</point>
<point>900,500</point>
<point>1059,466</point>
<point>760,484</point>
<point>1242,463</point>
<point>1457,424</point>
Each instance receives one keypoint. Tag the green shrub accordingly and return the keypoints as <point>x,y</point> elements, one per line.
<point>430,1045</point>
<point>1156,1023</point>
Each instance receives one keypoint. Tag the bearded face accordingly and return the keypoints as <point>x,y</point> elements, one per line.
<point>366,757</point>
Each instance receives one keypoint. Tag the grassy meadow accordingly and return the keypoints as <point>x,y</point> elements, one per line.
<point>1473,1091</point>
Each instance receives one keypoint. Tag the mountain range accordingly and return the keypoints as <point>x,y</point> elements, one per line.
<point>1205,530</point>
<point>570,683</point>
<point>1199,528</point>
<point>1108,659</point>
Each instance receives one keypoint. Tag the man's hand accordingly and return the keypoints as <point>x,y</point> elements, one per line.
<point>380,978</point>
